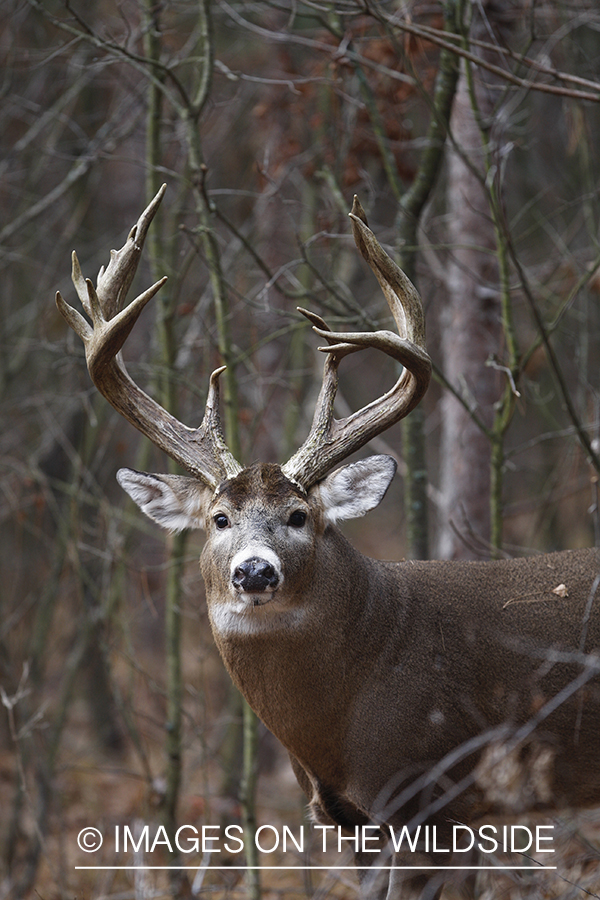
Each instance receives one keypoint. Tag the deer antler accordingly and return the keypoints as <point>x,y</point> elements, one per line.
<point>331,440</point>
<point>201,451</point>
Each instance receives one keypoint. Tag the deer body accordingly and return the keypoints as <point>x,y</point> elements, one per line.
<point>406,693</point>
<point>373,672</point>
<point>389,683</point>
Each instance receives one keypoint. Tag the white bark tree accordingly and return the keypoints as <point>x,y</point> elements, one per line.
<point>471,327</point>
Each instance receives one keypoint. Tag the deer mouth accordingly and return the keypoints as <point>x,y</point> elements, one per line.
<point>253,599</point>
<point>261,599</point>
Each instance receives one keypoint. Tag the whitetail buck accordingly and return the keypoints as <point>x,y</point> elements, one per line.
<point>406,693</point>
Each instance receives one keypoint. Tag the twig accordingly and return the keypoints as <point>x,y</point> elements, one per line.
<point>526,83</point>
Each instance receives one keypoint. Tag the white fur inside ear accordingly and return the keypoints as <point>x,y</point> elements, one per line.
<point>352,491</point>
<point>176,502</point>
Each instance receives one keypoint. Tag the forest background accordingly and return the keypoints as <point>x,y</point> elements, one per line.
<point>469,130</point>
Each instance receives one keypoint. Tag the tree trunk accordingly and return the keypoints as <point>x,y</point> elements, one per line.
<point>470,324</point>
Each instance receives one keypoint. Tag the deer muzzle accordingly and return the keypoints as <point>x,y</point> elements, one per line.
<point>255,576</point>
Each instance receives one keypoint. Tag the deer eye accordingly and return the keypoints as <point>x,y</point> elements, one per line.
<point>221,521</point>
<point>297,519</point>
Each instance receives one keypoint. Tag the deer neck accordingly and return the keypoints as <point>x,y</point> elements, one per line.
<point>310,650</point>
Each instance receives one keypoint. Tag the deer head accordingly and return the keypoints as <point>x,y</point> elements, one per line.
<point>211,496</point>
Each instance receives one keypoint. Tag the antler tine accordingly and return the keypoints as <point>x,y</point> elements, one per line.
<point>330,440</point>
<point>202,451</point>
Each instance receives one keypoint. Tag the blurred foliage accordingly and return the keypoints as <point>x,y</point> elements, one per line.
<point>304,104</point>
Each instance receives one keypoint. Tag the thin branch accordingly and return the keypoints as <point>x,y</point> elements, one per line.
<point>562,384</point>
<point>138,62</point>
<point>103,140</point>
<point>442,42</point>
<point>527,61</point>
<point>340,53</point>
<point>206,66</point>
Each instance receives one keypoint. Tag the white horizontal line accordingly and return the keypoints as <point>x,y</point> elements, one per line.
<point>329,868</point>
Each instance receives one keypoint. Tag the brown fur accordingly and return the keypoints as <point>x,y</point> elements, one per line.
<point>405,678</point>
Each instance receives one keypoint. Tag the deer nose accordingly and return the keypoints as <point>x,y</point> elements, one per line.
<point>255,575</point>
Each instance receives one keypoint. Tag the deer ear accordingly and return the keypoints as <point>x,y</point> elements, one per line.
<point>174,501</point>
<point>353,490</point>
